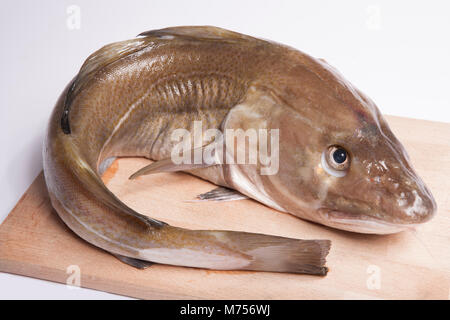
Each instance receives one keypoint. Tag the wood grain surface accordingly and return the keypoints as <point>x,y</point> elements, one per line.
<point>409,265</point>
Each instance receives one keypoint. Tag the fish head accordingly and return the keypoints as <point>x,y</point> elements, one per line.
<point>340,163</point>
<point>367,182</point>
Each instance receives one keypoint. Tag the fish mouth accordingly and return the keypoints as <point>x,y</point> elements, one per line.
<point>361,223</point>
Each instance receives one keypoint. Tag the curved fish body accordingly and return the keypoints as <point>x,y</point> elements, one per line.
<point>339,163</point>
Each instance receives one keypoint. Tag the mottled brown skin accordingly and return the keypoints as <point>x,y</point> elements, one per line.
<point>315,107</point>
<point>380,172</point>
<point>130,96</point>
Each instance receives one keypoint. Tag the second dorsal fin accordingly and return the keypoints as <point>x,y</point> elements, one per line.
<point>94,63</point>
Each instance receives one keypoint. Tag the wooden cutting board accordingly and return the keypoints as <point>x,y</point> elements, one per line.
<point>410,265</point>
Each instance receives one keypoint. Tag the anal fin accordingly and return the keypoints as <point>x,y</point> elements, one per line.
<point>137,263</point>
<point>221,194</point>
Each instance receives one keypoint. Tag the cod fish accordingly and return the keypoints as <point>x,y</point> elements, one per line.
<point>339,163</point>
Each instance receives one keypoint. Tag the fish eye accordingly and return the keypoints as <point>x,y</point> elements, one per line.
<point>336,161</point>
<point>339,155</point>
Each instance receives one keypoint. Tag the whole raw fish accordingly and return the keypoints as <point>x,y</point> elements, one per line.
<point>339,163</point>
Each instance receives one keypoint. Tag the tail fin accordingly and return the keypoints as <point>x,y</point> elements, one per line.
<point>279,254</point>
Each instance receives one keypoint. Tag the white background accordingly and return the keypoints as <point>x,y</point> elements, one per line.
<point>398,53</point>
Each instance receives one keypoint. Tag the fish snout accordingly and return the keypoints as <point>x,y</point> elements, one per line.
<point>414,204</point>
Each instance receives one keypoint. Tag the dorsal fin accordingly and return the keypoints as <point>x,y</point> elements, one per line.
<point>197,32</point>
<point>115,51</point>
<point>95,62</point>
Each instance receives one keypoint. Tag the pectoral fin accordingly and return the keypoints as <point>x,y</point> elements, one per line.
<point>167,165</point>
